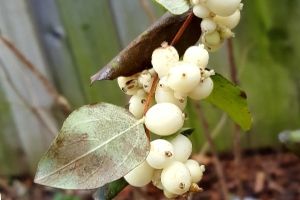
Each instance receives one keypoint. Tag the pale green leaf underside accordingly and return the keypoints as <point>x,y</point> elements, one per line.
<point>231,99</point>
<point>176,7</point>
<point>96,145</point>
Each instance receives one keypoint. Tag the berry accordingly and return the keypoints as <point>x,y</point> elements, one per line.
<point>212,39</point>
<point>226,33</point>
<point>183,77</point>
<point>163,58</point>
<point>208,25</point>
<point>164,119</point>
<point>203,89</point>
<point>196,55</point>
<point>195,170</point>
<point>140,176</point>
<point>137,103</point>
<point>161,153</point>
<point>222,7</point>
<point>129,85</point>
<point>156,179</point>
<point>231,21</point>
<point>176,178</point>
<point>201,11</point>
<point>170,195</point>
<point>166,95</point>
<point>182,148</point>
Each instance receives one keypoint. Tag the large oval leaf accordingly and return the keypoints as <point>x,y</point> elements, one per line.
<point>231,99</point>
<point>177,7</point>
<point>137,55</point>
<point>96,145</point>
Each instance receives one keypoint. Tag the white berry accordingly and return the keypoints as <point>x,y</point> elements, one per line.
<point>183,77</point>
<point>140,176</point>
<point>145,80</point>
<point>176,178</point>
<point>169,195</point>
<point>164,119</point>
<point>156,179</point>
<point>166,95</point>
<point>137,103</point>
<point>163,58</point>
<point>208,25</point>
<point>203,90</point>
<point>161,154</point>
<point>129,85</point>
<point>201,11</point>
<point>222,7</point>
<point>231,21</point>
<point>196,55</point>
<point>195,169</point>
<point>182,148</point>
<point>212,39</point>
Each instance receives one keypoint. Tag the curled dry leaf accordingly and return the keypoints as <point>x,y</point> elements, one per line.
<point>97,144</point>
<point>137,55</point>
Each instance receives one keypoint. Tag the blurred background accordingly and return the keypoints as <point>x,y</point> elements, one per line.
<point>63,42</point>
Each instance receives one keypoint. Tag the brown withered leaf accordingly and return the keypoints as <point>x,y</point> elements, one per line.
<point>137,55</point>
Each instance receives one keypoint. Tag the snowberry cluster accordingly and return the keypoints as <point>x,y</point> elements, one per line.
<point>219,17</point>
<point>168,167</point>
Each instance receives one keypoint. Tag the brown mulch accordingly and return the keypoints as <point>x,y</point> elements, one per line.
<point>264,174</point>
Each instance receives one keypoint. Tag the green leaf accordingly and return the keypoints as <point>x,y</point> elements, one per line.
<point>110,190</point>
<point>177,7</point>
<point>130,60</point>
<point>231,99</point>
<point>97,144</point>
<point>187,131</point>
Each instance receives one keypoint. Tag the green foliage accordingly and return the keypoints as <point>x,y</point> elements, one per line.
<point>110,190</point>
<point>96,145</point>
<point>60,196</point>
<point>232,100</point>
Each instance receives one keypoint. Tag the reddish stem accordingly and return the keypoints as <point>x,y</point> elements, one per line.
<point>156,79</point>
<point>237,130</point>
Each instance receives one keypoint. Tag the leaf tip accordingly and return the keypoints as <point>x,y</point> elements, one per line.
<point>243,94</point>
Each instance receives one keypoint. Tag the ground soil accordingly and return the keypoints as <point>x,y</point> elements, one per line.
<point>265,174</point>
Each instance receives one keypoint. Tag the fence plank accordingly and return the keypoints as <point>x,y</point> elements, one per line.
<point>56,50</point>
<point>93,42</point>
<point>16,24</point>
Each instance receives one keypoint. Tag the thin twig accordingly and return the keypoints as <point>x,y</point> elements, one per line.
<point>216,159</point>
<point>34,110</point>
<point>156,79</point>
<point>237,130</point>
<point>214,133</point>
<point>148,10</point>
<point>61,101</point>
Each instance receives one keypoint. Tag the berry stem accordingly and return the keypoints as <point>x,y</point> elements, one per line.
<point>216,160</point>
<point>156,79</point>
<point>237,131</point>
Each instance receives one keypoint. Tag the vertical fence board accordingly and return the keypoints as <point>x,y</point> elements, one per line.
<point>16,25</point>
<point>10,150</point>
<point>52,35</point>
<point>130,19</point>
<point>93,42</point>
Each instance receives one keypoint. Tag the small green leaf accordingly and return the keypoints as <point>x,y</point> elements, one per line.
<point>177,7</point>
<point>231,99</point>
<point>110,190</point>
<point>97,144</point>
<point>187,131</point>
